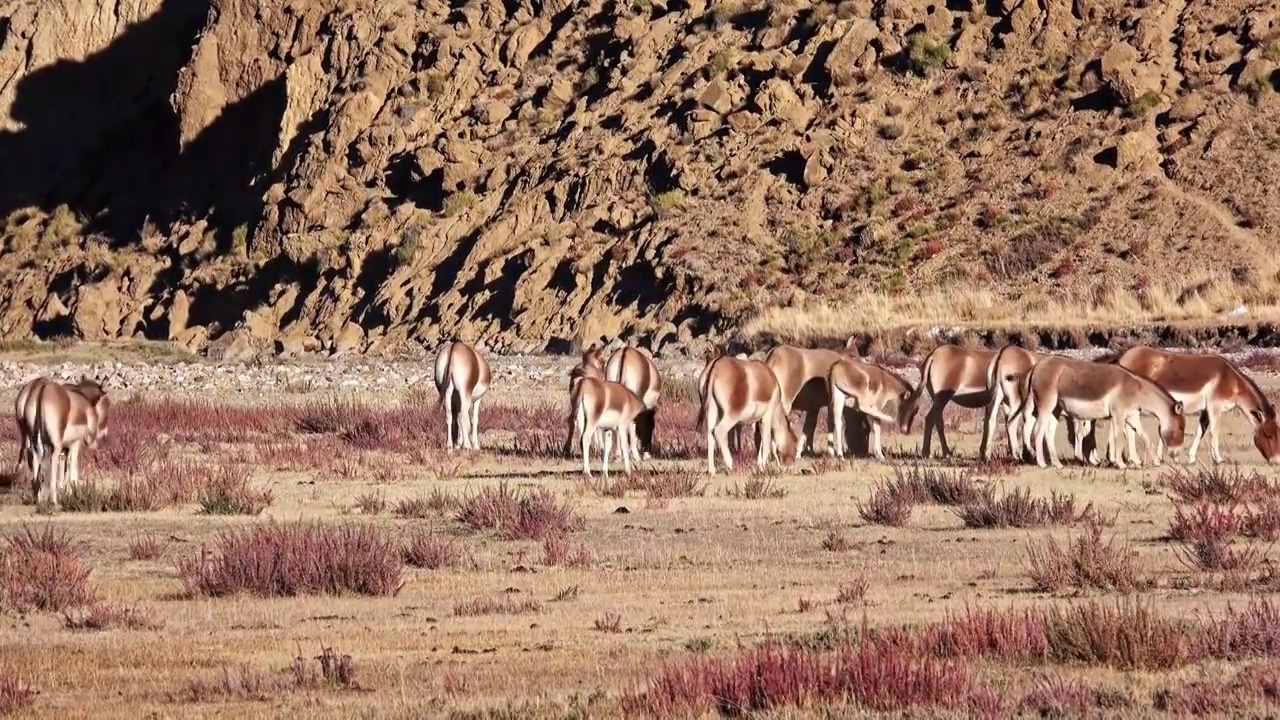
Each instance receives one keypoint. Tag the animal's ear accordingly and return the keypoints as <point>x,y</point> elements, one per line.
<point>1177,407</point>
<point>851,344</point>
<point>905,396</point>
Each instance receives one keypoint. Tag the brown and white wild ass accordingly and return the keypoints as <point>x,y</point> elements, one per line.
<point>737,392</point>
<point>66,418</point>
<point>603,405</point>
<point>1210,385</point>
<point>950,373</point>
<point>869,387</point>
<point>803,380</point>
<point>635,368</point>
<point>1005,376</point>
<point>590,365</point>
<point>462,377</point>
<point>1091,391</point>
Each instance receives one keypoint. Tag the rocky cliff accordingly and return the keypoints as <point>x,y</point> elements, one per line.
<point>327,174</point>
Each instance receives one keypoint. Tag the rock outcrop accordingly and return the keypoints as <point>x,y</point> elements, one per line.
<point>351,177</point>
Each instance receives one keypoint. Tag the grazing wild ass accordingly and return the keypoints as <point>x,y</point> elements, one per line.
<point>462,378</point>
<point>736,392</point>
<point>66,418</point>
<point>602,405</point>
<point>951,373</point>
<point>24,415</point>
<point>1091,391</point>
<point>870,387</point>
<point>1210,385</point>
<point>802,378</point>
<point>1005,376</point>
<point>634,368</point>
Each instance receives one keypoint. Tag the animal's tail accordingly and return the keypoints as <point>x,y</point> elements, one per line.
<point>442,371</point>
<point>925,368</point>
<point>706,402</point>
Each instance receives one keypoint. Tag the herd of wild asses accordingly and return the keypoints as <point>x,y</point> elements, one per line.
<point>617,401</point>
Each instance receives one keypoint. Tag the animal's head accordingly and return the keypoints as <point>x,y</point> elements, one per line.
<point>908,408</point>
<point>787,440</point>
<point>1173,430</point>
<point>592,357</point>
<point>1267,439</point>
<point>96,394</point>
<point>851,346</point>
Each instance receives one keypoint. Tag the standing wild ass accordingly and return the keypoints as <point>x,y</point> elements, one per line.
<point>802,375</point>
<point>951,373</point>
<point>870,387</point>
<point>734,392</point>
<point>1092,391</point>
<point>1005,376</point>
<point>602,405</point>
<point>64,418</point>
<point>634,368</point>
<point>1209,385</point>
<point>462,377</point>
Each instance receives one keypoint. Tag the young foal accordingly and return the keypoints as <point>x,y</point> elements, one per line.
<point>591,365</point>
<point>602,405</point>
<point>1209,385</point>
<point>1093,391</point>
<point>870,387</point>
<point>462,377</point>
<point>65,418</point>
<point>736,392</point>
<point>634,368</point>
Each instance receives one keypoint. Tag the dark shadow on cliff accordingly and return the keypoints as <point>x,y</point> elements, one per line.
<point>101,137</point>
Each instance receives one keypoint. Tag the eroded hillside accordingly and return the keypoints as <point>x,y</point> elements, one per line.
<point>320,174</point>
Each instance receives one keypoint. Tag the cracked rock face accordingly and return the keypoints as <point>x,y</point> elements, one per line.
<point>331,176</point>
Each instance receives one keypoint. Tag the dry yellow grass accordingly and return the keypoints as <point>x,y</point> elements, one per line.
<point>698,574</point>
<point>981,308</point>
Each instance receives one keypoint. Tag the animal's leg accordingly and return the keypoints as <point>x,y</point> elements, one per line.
<point>1051,437</point>
<point>810,431</point>
<point>448,413</point>
<point>608,447</point>
<point>55,475</point>
<point>932,421</point>
<point>1115,451</point>
<point>1202,426</point>
<point>1039,428</point>
<point>475,423</point>
<point>836,420</point>
<point>588,431</point>
<point>1213,433</point>
<point>875,439</point>
<point>73,461</point>
<point>1131,440</point>
<point>722,439</point>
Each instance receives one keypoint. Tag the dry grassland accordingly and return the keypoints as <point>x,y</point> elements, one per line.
<point>773,592</point>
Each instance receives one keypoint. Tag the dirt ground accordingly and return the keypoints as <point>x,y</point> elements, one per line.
<point>684,576</point>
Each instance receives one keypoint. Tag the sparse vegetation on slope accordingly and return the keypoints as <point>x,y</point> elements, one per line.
<point>530,176</point>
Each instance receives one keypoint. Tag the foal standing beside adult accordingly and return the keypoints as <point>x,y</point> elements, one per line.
<point>462,377</point>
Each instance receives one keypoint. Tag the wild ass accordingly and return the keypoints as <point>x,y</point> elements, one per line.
<point>802,378</point>
<point>66,418</point>
<point>1005,375</point>
<point>634,368</point>
<point>1209,385</point>
<point>603,405</point>
<point>870,387</point>
<point>951,373</point>
<point>24,415</point>
<point>462,377</point>
<point>735,392</point>
<point>590,365</point>
<point>1092,391</point>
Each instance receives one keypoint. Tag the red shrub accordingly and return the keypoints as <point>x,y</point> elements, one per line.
<point>14,694</point>
<point>889,504</point>
<point>428,550</point>
<point>519,515</point>
<point>559,550</point>
<point>776,676</point>
<point>297,559</point>
<point>43,570</point>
